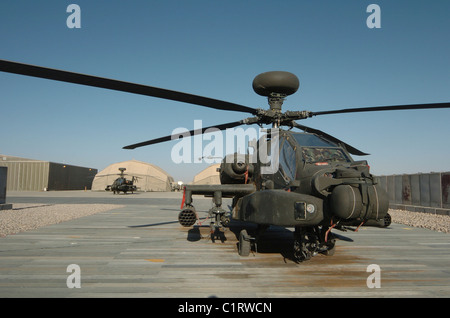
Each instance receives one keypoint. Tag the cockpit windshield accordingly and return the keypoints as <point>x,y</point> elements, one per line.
<point>318,154</point>
<point>310,140</point>
<point>316,149</point>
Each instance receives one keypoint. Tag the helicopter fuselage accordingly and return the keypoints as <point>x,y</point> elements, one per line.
<point>317,181</point>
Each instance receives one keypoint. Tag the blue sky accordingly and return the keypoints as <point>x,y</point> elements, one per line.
<point>215,49</point>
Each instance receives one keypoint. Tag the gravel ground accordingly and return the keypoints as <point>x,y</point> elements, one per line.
<point>24,217</point>
<point>435,222</point>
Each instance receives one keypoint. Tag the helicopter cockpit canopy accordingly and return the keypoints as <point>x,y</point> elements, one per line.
<point>315,149</point>
<point>120,181</point>
<point>323,155</point>
<point>312,140</point>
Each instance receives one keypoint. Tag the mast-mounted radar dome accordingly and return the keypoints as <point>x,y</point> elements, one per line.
<point>276,82</point>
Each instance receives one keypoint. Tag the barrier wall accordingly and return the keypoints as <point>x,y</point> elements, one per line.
<point>423,192</point>
<point>3,175</point>
<point>3,183</point>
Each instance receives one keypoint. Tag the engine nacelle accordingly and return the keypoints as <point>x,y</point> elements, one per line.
<point>351,202</point>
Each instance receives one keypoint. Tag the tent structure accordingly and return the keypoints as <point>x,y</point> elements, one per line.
<point>210,175</point>
<point>149,177</point>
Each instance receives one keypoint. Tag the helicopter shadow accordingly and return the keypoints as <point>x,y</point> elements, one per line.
<point>152,224</point>
<point>195,234</point>
<point>274,240</point>
<point>156,224</point>
<point>127,194</point>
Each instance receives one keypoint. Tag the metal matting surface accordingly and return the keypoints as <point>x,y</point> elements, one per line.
<point>140,250</point>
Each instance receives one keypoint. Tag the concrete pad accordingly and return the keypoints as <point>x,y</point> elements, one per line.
<point>140,250</point>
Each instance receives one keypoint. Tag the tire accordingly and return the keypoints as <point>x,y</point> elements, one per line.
<point>244,244</point>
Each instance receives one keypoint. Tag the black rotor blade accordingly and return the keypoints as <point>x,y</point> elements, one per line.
<point>185,134</point>
<point>382,108</point>
<point>349,148</point>
<point>82,79</point>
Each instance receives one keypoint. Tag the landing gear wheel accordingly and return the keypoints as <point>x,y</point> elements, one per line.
<point>387,220</point>
<point>305,244</point>
<point>330,245</point>
<point>328,242</point>
<point>244,243</point>
<point>301,251</point>
<point>330,251</point>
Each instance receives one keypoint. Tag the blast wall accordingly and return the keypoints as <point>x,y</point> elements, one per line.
<point>422,192</point>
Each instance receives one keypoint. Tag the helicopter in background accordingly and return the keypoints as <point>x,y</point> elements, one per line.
<point>122,184</point>
<point>315,186</point>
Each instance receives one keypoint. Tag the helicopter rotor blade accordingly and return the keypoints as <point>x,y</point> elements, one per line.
<point>349,148</point>
<point>100,82</point>
<point>187,134</point>
<point>382,108</point>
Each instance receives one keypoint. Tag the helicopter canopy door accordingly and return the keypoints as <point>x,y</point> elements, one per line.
<point>287,161</point>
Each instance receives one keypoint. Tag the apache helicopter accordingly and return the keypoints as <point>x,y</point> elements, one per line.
<point>122,184</point>
<point>316,186</point>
